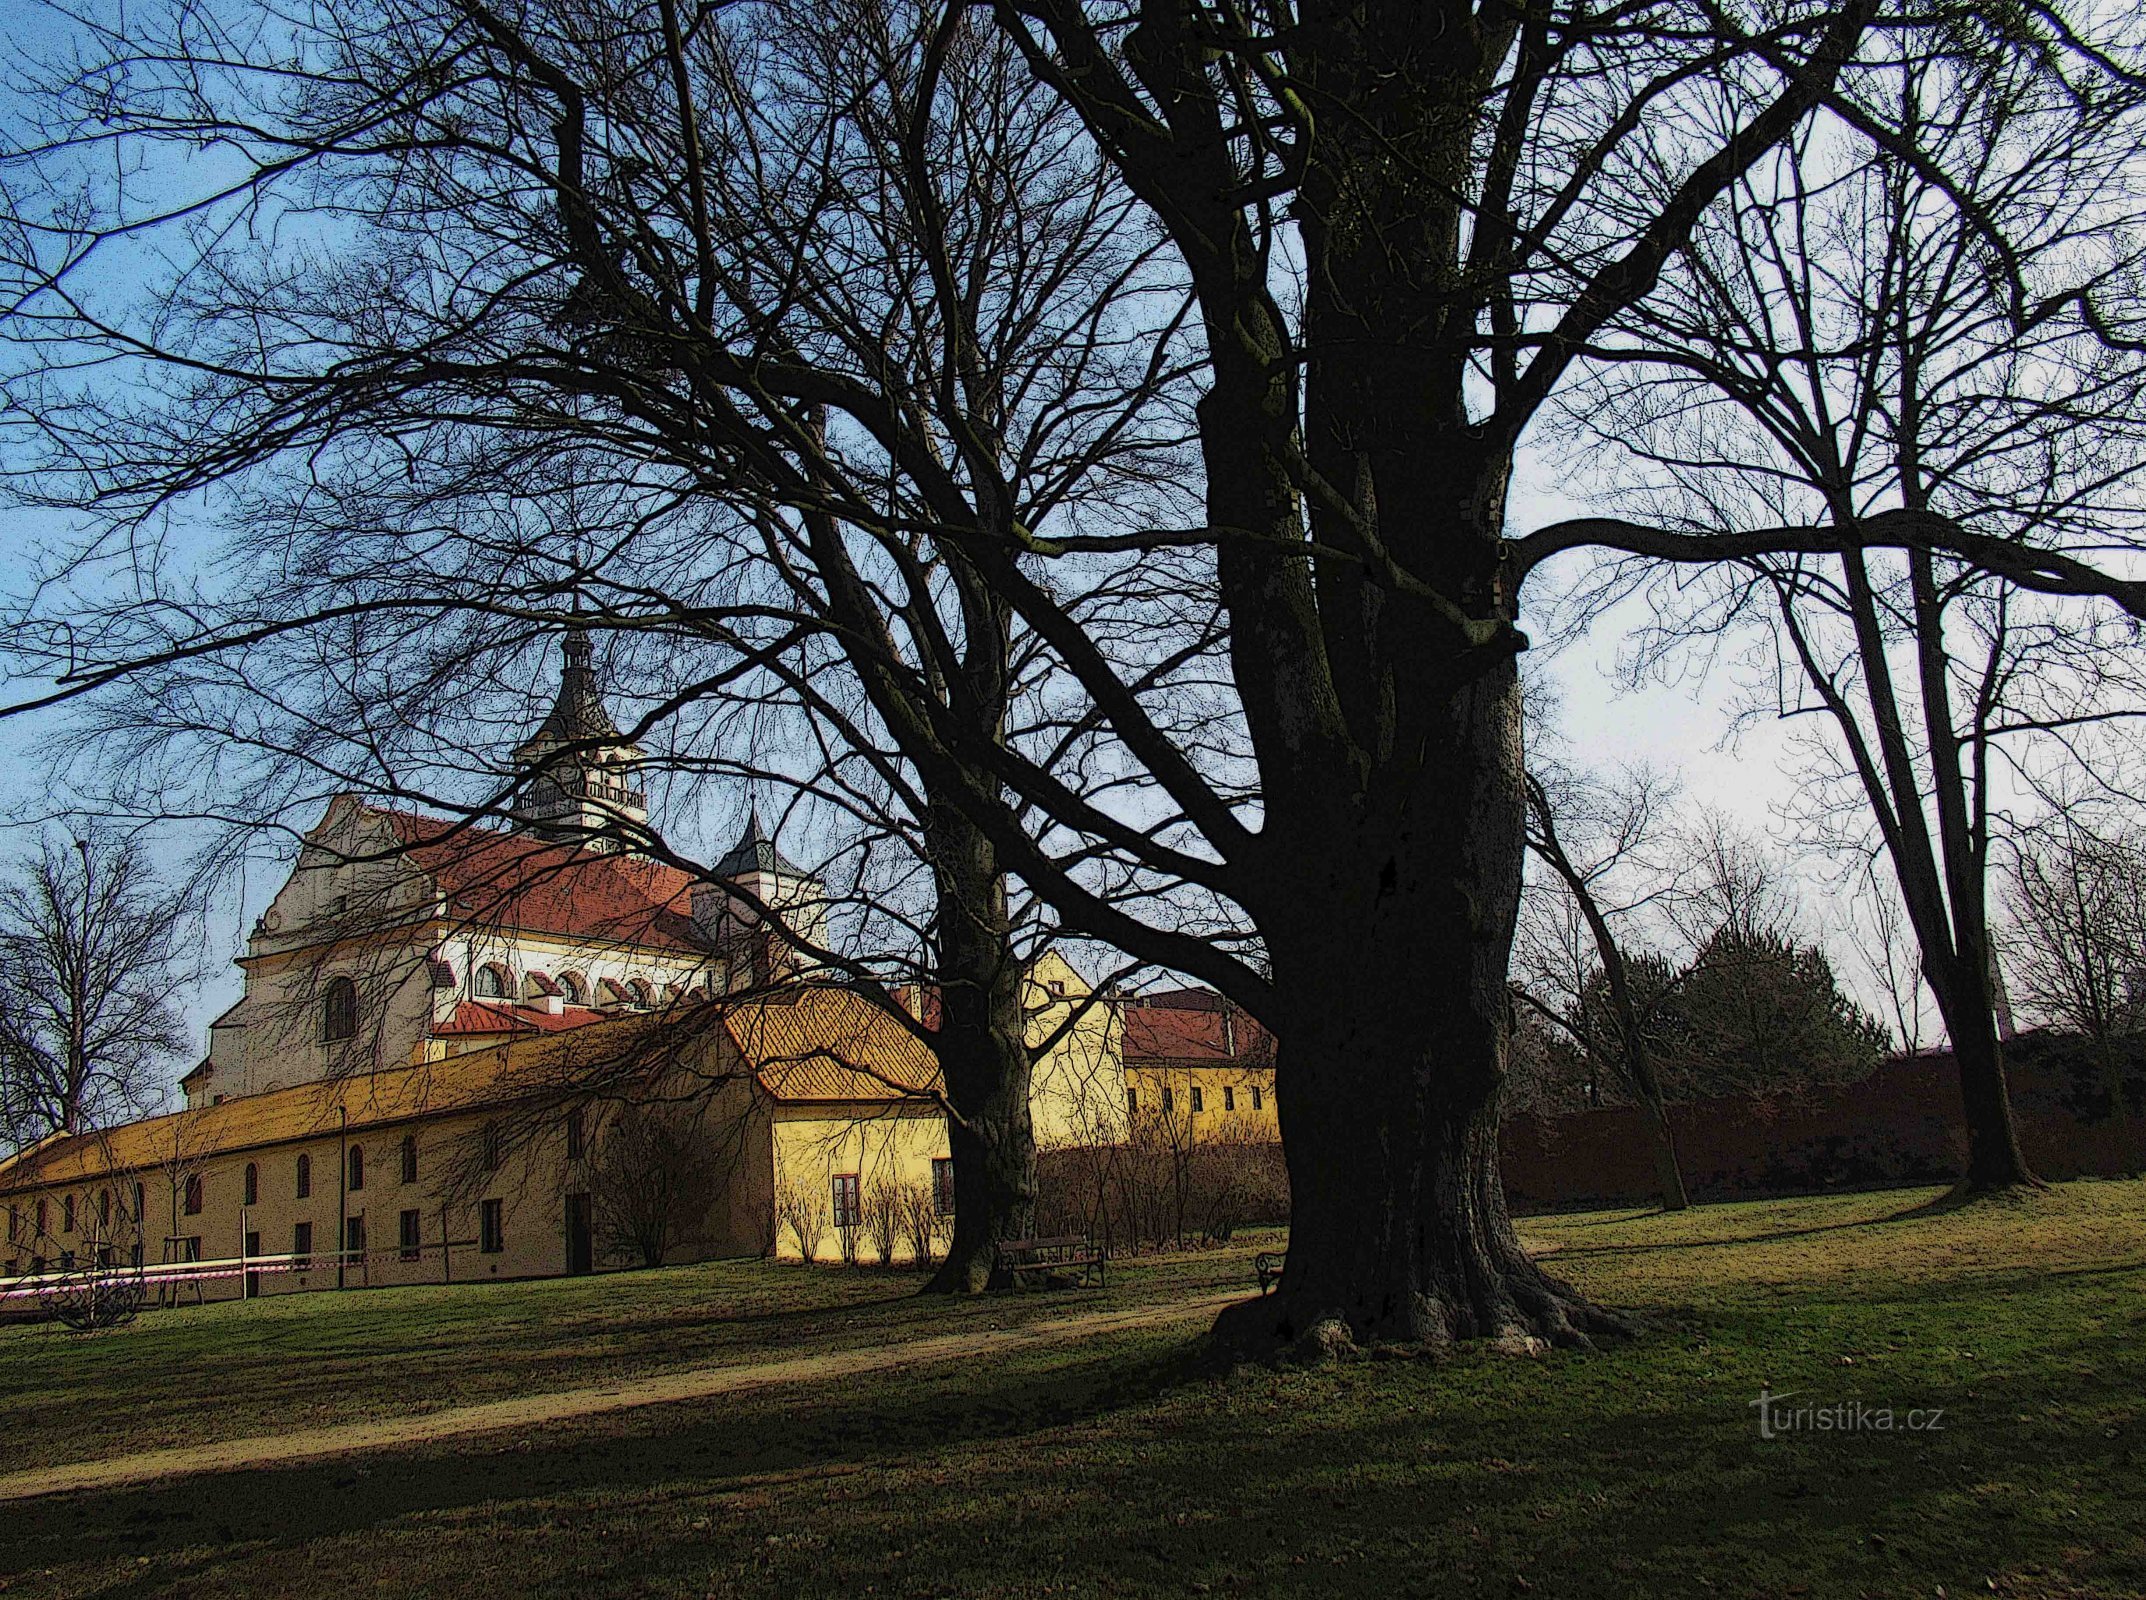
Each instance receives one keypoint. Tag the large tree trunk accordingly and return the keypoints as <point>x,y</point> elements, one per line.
<point>1668,1171</point>
<point>983,1056</point>
<point>1994,1158</point>
<point>1391,1059</point>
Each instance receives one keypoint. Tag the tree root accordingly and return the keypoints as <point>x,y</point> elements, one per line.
<point>1529,1313</point>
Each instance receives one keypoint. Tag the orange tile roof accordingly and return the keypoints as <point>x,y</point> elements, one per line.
<point>817,1043</point>
<point>810,1045</point>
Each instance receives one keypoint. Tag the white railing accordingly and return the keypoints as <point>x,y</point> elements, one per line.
<point>178,1274</point>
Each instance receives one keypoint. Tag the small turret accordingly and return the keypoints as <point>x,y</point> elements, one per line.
<point>753,952</point>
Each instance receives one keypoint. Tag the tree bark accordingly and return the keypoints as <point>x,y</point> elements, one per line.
<point>983,1056</point>
<point>1994,1158</point>
<point>1391,1060</point>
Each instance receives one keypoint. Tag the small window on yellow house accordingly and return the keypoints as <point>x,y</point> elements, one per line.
<point>1255,1097</point>
<point>1198,1103</point>
<point>1229,1098</point>
<point>1168,1097</point>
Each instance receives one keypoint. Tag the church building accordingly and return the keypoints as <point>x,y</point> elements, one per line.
<point>448,1034</point>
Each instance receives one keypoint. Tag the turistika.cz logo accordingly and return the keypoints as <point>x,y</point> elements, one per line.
<point>1778,1419</point>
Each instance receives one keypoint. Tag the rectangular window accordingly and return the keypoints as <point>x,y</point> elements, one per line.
<point>409,1237</point>
<point>67,1215</point>
<point>67,1261</point>
<point>849,1200</point>
<point>491,1147</point>
<point>1132,1102</point>
<point>305,1177</point>
<point>354,1239</point>
<point>104,1255</point>
<point>190,1248</point>
<point>942,1185</point>
<point>136,1253</point>
<point>357,1167</point>
<point>409,1158</point>
<point>1229,1098</point>
<point>193,1195</point>
<point>14,1224</point>
<point>1198,1104</point>
<point>491,1228</point>
<point>573,1134</point>
<point>302,1246</point>
<point>1255,1097</point>
<point>1169,1097</point>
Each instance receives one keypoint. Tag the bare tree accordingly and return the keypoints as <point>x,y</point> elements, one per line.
<point>1835,341</point>
<point>93,959</point>
<point>656,1175</point>
<point>2076,955</point>
<point>1400,230</point>
<point>1598,843</point>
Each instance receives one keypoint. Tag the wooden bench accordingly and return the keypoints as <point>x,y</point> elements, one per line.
<point>1268,1264</point>
<point>1073,1257</point>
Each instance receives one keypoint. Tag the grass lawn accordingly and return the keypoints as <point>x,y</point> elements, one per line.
<point>1120,1466</point>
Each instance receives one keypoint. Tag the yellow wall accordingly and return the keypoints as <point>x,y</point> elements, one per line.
<point>1077,1096</point>
<point>1226,1095</point>
<point>878,1143</point>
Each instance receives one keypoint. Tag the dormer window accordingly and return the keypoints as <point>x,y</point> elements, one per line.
<point>644,993</point>
<point>494,982</point>
<point>339,1010</point>
<point>575,988</point>
<point>609,992</point>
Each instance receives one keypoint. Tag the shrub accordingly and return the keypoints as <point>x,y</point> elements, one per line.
<point>1155,1190</point>
<point>883,1218</point>
<point>920,1222</point>
<point>803,1212</point>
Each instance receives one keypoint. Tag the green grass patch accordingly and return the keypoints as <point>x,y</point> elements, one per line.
<point>1119,1466</point>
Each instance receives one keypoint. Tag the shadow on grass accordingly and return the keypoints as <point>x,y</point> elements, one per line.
<point>1121,1469</point>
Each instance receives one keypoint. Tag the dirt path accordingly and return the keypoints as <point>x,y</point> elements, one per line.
<point>493,1416</point>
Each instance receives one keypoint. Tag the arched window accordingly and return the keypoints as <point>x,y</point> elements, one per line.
<point>644,993</point>
<point>494,982</point>
<point>357,1167</point>
<point>339,1010</point>
<point>575,988</point>
<point>305,1177</point>
<point>409,1158</point>
<point>253,1184</point>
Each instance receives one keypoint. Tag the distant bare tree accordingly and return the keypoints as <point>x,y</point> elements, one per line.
<point>1839,347</point>
<point>2075,955</point>
<point>91,965</point>
<point>1600,844</point>
<point>656,1173</point>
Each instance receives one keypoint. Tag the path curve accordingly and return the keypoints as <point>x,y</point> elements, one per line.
<point>528,1411</point>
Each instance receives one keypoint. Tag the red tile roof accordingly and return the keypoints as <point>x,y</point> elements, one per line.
<point>515,880</point>
<point>483,1016</point>
<point>1193,1027</point>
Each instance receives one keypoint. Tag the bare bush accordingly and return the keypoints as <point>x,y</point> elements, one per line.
<point>802,1212</point>
<point>883,1218</point>
<point>920,1223</point>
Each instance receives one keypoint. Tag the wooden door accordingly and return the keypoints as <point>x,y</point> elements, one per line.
<point>580,1241</point>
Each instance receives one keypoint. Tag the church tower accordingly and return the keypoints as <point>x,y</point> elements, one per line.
<point>576,773</point>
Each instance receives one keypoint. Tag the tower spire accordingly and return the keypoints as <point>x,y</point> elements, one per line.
<point>577,769</point>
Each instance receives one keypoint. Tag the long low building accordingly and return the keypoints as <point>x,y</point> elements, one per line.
<point>552,1155</point>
